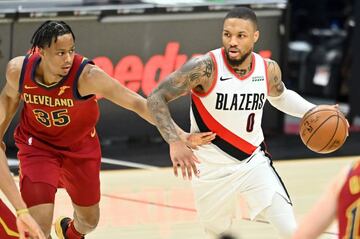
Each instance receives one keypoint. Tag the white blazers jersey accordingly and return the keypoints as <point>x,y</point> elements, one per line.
<point>233,106</point>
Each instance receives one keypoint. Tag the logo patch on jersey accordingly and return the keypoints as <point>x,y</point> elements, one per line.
<point>224,79</point>
<point>257,78</point>
<point>93,133</point>
<point>30,87</point>
<point>62,89</point>
<point>30,140</point>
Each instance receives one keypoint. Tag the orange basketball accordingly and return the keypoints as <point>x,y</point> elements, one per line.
<point>323,129</point>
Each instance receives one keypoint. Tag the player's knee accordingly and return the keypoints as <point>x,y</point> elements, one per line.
<point>287,228</point>
<point>89,221</point>
<point>280,214</point>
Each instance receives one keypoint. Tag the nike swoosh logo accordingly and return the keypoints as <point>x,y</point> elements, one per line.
<point>92,134</point>
<point>223,79</point>
<point>30,87</point>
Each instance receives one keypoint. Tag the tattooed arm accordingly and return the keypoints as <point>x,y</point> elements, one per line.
<point>195,74</point>
<point>281,98</point>
<point>276,86</point>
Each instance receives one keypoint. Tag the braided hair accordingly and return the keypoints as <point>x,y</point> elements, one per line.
<point>48,31</point>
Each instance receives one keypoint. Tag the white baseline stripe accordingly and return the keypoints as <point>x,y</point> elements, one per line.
<point>128,164</point>
<point>14,162</point>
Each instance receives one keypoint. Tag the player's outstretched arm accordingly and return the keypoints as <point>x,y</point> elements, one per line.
<point>283,99</point>
<point>94,80</point>
<point>195,74</point>
<point>314,223</point>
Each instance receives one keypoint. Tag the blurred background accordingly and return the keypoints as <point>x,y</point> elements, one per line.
<point>316,44</point>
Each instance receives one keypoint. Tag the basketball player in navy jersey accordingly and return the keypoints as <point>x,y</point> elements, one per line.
<point>341,201</point>
<point>56,137</point>
<point>229,87</point>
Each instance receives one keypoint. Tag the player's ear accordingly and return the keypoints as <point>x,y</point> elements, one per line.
<point>256,36</point>
<point>41,51</point>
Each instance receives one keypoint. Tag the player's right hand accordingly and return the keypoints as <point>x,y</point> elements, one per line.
<point>182,157</point>
<point>194,140</point>
<point>27,226</point>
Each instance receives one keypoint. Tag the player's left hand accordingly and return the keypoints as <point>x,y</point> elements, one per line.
<point>194,140</point>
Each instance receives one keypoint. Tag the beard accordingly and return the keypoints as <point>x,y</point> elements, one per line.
<point>237,62</point>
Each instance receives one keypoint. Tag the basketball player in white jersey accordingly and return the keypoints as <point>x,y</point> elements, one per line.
<point>229,87</point>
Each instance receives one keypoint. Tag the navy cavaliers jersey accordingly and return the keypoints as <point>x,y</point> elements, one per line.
<point>349,205</point>
<point>233,106</point>
<point>55,114</point>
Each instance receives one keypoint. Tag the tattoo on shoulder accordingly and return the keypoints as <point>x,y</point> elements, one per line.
<point>272,65</point>
<point>198,68</point>
<point>275,76</point>
<point>196,72</point>
<point>209,67</point>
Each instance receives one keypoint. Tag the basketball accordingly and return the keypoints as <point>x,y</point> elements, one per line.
<point>323,129</point>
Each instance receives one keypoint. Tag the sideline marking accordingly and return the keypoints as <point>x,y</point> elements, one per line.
<point>15,163</point>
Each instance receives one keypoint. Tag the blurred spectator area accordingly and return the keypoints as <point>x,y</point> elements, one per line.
<point>318,56</point>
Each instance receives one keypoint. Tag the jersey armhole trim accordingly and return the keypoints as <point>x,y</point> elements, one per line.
<point>76,80</point>
<point>22,74</point>
<point>266,77</point>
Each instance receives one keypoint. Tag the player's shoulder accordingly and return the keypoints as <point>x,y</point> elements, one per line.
<point>14,66</point>
<point>273,68</point>
<point>90,71</point>
<point>270,62</point>
<point>199,62</point>
<point>205,56</point>
<point>90,76</point>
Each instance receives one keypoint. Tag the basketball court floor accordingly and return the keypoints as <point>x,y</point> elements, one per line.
<point>151,203</point>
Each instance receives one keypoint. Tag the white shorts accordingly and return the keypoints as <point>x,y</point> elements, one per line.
<point>223,179</point>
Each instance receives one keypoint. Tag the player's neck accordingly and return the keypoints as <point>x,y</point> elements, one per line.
<point>45,76</point>
<point>245,67</point>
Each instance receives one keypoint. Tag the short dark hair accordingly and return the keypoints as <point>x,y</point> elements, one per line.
<point>44,35</point>
<point>243,13</point>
